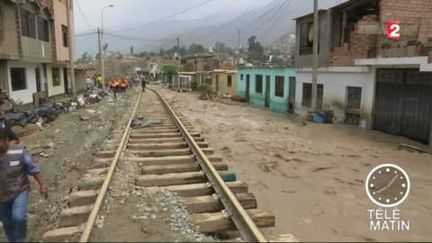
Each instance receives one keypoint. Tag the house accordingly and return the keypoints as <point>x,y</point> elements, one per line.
<point>31,57</point>
<point>200,62</point>
<point>271,87</point>
<point>58,79</point>
<point>364,77</point>
<point>224,81</point>
<point>81,74</point>
<point>184,81</point>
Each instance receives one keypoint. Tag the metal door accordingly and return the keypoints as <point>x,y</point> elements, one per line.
<point>247,86</point>
<point>403,103</point>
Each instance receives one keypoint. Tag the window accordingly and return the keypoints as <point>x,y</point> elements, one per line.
<point>258,84</point>
<point>43,30</point>
<point>65,35</point>
<point>28,24</point>
<point>18,79</point>
<point>241,77</point>
<point>354,97</point>
<point>307,95</point>
<point>56,77</point>
<point>306,38</point>
<point>229,81</point>
<point>279,86</point>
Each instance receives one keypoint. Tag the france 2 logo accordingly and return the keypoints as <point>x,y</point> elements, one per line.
<point>393,30</point>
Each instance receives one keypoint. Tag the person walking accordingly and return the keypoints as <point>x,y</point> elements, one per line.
<point>143,85</point>
<point>15,165</point>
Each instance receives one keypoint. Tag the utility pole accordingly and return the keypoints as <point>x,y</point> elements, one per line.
<point>315,61</point>
<point>69,6</point>
<point>239,39</point>
<point>100,52</point>
<point>178,60</point>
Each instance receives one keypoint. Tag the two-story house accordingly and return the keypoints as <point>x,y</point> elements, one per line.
<point>364,77</point>
<point>30,60</point>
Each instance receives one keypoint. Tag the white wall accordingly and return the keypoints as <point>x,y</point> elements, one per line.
<point>335,92</point>
<point>55,90</point>
<point>24,96</point>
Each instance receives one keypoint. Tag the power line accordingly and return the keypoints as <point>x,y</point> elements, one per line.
<point>277,17</point>
<point>277,7</point>
<point>164,18</point>
<point>83,15</point>
<point>136,39</point>
<point>85,34</point>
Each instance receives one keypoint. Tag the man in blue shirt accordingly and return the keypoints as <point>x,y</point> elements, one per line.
<point>15,166</point>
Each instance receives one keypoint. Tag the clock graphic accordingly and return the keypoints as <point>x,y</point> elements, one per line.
<point>387,185</point>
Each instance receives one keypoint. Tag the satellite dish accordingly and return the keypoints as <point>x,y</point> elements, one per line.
<point>311,33</point>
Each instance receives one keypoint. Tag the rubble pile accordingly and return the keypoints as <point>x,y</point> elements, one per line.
<point>22,118</point>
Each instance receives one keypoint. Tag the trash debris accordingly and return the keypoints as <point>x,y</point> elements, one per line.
<point>84,118</point>
<point>413,148</point>
<point>138,122</point>
<point>47,110</point>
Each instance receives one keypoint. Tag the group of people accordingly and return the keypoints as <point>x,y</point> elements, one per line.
<point>16,164</point>
<point>119,84</point>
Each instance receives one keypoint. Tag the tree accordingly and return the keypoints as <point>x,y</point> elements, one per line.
<point>256,50</point>
<point>220,47</point>
<point>195,48</point>
<point>169,71</point>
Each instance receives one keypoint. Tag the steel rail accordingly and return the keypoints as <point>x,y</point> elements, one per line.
<point>238,214</point>
<point>102,193</point>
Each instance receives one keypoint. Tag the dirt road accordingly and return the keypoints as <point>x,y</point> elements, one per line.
<point>311,177</point>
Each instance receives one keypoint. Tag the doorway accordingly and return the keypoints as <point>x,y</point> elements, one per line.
<point>66,80</point>
<point>38,80</point>
<point>267,92</point>
<point>291,93</point>
<point>247,86</point>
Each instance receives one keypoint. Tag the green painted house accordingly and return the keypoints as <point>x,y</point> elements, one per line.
<point>271,87</point>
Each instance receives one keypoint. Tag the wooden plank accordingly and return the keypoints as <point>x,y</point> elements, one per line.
<point>82,198</point>
<point>178,168</point>
<point>219,222</point>
<point>145,131</point>
<point>74,216</point>
<point>61,234</point>
<point>91,183</point>
<point>157,146</point>
<point>155,135</point>
<point>105,154</point>
<point>161,160</point>
<point>160,153</point>
<point>176,145</point>
<point>173,179</point>
<point>211,204</point>
<point>201,189</point>
<point>155,140</point>
<point>283,238</point>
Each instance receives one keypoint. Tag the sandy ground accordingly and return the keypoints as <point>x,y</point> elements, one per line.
<point>69,144</point>
<point>311,177</point>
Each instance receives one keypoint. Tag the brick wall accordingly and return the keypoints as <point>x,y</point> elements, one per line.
<point>358,46</point>
<point>416,33</point>
<point>416,12</point>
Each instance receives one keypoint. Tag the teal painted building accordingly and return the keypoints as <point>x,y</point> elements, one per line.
<point>270,87</point>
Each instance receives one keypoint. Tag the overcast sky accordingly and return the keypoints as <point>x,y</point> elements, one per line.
<point>132,12</point>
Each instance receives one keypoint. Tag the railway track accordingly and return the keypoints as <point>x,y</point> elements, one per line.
<point>171,156</point>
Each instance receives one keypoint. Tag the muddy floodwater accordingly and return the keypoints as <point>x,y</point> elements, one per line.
<point>311,176</point>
